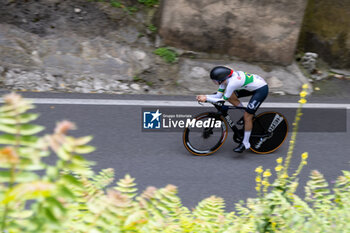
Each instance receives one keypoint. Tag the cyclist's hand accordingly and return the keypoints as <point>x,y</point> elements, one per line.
<point>201,98</point>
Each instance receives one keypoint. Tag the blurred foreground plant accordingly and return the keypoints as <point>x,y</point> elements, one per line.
<point>279,209</point>
<point>67,196</point>
<point>34,195</point>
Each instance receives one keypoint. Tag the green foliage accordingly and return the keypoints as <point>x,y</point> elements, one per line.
<point>136,78</point>
<point>69,197</point>
<point>152,28</point>
<point>116,4</point>
<point>170,56</point>
<point>132,9</point>
<point>128,9</point>
<point>149,3</point>
<point>21,156</point>
<point>127,187</point>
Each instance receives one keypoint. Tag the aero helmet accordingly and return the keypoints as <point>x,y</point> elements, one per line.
<point>220,73</point>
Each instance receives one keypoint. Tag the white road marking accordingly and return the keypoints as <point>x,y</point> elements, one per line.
<point>171,103</point>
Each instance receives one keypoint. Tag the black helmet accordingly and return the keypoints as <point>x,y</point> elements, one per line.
<point>220,73</point>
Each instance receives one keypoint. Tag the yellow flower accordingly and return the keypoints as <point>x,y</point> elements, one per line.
<point>265,183</point>
<point>259,169</point>
<point>285,175</point>
<point>278,168</point>
<point>303,94</point>
<point>302,101</point>
<point>304,155</point>
<point>257,188</point>
<point>304,162</point>
<point>273,224</point>
<point>279,160</point>
<point>305,86</point>
<point>267,173</point>
<point>258,179</point>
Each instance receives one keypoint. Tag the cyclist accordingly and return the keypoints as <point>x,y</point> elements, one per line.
<point>234,85</point>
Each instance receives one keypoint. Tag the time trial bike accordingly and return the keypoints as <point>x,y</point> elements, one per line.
<point>269,131</point>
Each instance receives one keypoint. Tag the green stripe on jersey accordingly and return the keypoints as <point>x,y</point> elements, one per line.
<point>225,98</point>
<point>221,90</point>
<point>248,79</point>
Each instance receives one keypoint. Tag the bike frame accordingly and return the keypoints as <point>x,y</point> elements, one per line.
<point>223,110</point>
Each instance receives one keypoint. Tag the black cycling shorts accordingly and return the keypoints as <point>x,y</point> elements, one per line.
<point>258,96</point>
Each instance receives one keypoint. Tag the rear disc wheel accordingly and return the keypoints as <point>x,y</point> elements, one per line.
<point>274,125</point>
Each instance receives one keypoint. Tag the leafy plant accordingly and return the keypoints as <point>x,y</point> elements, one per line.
<point>136,78</point>
<point>68,196</point>
<point>116,4</point>
<point>132,9</point>
<point>149,3</point>
<point>152,28</point>
<point>21,160</point>
<point>168,55</point>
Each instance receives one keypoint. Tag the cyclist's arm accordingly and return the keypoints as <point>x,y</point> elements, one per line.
<point>231,87</point>
<point>218,95</point>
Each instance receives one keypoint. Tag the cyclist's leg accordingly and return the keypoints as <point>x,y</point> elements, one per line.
<point>248,126</point>
<point>234,99</point>
<point>258,96</point>
<point>255,101</point>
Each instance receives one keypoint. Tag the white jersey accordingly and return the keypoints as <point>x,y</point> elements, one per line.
<point>238,81</point>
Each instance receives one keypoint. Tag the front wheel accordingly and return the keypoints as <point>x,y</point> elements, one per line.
<point>207,139</point>
<point>270,130</point>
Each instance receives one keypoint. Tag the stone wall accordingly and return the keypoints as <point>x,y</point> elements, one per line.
<point>326,31</point>
<point>74,45</point>
<point>253,30</point>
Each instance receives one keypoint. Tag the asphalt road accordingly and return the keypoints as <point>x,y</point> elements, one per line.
<point>157,159</point>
